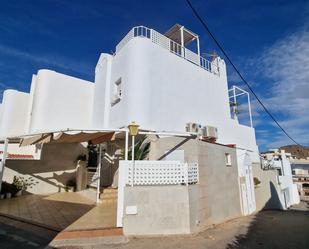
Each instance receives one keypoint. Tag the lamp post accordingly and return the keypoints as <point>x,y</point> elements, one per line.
<point>133,130</point>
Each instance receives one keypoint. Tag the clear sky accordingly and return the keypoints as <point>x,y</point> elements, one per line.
<point>268,40</point>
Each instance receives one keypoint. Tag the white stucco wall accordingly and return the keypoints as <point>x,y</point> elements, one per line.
<point>13,113</point>
<point>59,102</point>
<point>162,91</point>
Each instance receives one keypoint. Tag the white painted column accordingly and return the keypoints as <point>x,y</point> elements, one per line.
<point>126,146</point>
<point>235,104</point>
<point>250,114</point>
<point>133,161</point>
<point>99,174</point>
<point>198,46</point>
<point>182,42</point>
<point>4,156</point>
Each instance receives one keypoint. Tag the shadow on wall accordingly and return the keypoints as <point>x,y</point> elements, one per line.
<point>174,148</point>
<point>275,229</point>
<point>56,167</point>
<point>274,201</point>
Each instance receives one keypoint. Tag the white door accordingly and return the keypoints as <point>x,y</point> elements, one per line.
<point>244,199</point>
<point>249,184</point>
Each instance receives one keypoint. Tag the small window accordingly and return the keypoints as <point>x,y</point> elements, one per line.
<point>228,160</point>
<point>117,92</point>
<point>279,172</point>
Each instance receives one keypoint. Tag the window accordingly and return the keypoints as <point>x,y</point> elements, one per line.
<point>117,92</point>
<point>279,172</point>
<point>228,160</point>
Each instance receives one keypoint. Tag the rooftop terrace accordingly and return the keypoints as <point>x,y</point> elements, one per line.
<point>170,42</point>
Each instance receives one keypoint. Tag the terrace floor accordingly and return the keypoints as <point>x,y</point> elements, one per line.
<point>61,211</point>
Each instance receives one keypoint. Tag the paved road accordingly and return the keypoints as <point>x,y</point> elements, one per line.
<point>15,234</point>
<point>265,230</point>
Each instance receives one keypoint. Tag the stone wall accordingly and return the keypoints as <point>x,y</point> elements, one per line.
<point>186,209</point>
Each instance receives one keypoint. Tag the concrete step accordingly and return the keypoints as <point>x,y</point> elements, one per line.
<point>108,195</point>
<point>109,191</point>
<point>89,238</point>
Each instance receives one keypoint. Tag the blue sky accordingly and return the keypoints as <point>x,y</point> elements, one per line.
<point>268,40</point>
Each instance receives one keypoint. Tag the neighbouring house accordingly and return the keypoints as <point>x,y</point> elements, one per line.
<point>300,172</point>
<point>276,188</point>
<point>202,158</point>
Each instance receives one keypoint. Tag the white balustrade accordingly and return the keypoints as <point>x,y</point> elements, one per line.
<point>170,45</point>
<point>161,173</point>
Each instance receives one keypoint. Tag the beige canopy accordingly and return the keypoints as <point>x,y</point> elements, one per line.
<point>174,33</point>
<point>96,137</point>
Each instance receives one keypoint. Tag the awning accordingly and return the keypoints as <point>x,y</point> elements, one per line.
<point>69,137</point>
<point>174,33</point>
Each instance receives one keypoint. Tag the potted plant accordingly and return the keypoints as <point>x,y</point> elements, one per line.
<point>6,190</point>
<point>21,184</point>
<point>70,186</point>
<point>256,181</point>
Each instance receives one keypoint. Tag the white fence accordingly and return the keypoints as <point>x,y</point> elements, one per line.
<point>170,45</point>
<point>153,173</point>
<point>161,173</point>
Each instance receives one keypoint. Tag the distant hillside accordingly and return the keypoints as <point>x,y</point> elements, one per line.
<point>296,150</point>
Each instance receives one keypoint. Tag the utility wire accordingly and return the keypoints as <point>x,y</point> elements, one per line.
<point>238,72</point>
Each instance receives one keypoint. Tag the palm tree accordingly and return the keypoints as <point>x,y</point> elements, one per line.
<point>141,150</point>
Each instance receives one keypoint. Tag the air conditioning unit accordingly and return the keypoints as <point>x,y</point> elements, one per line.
<point>193,127</point>
<point>209,132</point>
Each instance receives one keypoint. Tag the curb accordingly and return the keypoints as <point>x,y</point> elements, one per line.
<point>31,222</point>
<point>89,237</point>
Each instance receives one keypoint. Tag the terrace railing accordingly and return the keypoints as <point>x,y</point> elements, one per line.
<point>161,173</point>
<point>170,45</point>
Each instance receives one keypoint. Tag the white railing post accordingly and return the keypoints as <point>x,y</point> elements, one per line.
<point>99,174</point>
<point>250,114</point>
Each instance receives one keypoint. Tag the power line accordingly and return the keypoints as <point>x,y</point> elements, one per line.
<point>237,71</point>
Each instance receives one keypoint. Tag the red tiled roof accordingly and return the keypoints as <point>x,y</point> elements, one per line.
<point>18,156</point>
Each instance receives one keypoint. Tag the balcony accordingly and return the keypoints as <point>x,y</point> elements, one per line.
<point>170,45</point>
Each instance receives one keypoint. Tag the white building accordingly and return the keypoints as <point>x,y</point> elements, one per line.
<point>300,172</point>
<point>287,192</point>
<point>152,79</point>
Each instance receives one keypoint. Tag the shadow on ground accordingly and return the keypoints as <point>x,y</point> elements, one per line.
<point>56,211</point>
<point>277,229</point>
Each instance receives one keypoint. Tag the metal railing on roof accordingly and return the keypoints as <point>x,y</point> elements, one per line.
<point>172,46</point>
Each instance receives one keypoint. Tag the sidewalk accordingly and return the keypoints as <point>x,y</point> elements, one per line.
<point>267,229</point>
